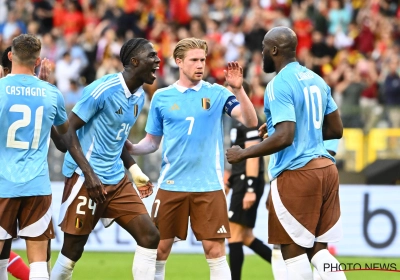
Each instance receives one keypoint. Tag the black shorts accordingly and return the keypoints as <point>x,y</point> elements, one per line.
<point>236,213</point>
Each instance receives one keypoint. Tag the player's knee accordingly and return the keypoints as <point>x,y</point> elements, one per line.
<point>215,252</point>
<point>150,240</point>
<point>74,253</point>
<point>248,237</point>
<point>73,246</point>
<point>163,253</point>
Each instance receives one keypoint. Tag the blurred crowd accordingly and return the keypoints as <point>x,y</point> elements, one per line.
<point>353,44</point>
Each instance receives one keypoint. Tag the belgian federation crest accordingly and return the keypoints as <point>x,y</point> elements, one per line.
<point>205,103</point>
<point>135,110</point>
<point>78,223</point>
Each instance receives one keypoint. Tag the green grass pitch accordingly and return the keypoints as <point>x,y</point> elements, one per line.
<point>118,266</point>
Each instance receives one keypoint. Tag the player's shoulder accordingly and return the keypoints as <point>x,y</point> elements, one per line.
<point>212,86</point>
<point>164,92</point>
<point>279,83</point>
<point>104,86</point>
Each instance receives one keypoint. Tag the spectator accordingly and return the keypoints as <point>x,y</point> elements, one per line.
<point>347,93</point>
<point>66,69</point>
<point>338,16</point>
<point>11,28</point>
<point>43,14</point>
<point>73,94</point>
<point>109,65</point>
<point>233,41</point>
<point>391,93</point>
<point>73,19</point>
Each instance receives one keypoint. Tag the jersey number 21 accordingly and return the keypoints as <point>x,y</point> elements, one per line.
<point>25,121</point>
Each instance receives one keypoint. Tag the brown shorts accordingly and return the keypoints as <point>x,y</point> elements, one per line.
<point>207,211</point>
<point>31,213</point>
<point>79,214</point>
<point>303,205</point>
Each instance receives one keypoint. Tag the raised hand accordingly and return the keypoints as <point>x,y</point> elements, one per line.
<point>44,72</point>
<point>234,75</point>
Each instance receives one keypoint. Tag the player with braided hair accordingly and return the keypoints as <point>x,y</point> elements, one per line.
<point>96,186</point>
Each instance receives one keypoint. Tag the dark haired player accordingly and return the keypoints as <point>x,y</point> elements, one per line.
<point>96,185</point>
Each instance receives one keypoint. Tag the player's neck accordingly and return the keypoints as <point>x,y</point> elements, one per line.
<point>283,63</point>
<point>132,84</point>
<point>22,69</point>
<point>187,83</point>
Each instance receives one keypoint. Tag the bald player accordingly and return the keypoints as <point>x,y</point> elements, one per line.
<point>304,210</point>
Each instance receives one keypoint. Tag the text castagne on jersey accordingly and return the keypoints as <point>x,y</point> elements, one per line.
<point>26,91</point>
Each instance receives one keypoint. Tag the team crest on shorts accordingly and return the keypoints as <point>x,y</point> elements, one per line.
<point>78,223</point>
<point>135,110</point>
<point>206,103</point>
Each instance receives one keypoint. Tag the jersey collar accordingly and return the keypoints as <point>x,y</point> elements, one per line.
<point>183,89</point>
<point>128,94</point>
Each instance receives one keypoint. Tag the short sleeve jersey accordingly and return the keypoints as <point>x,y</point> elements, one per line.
<point>109,110</point>
<point>298,95</point>
<point>28,109</point>
<point>241,134</point>
<point>190,119</point>
<point>331,145</point>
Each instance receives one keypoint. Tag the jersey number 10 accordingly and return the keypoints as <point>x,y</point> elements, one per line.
<point>25,121</point>
<point>313,95</point>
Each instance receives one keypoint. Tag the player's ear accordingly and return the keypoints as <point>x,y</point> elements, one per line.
<point>274,50</point>
<point>134,61</point>
<point>37,62</point>
<point>178,61</point>
<point>9,55</point>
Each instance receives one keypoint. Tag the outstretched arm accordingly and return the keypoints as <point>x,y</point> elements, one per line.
<point>245,112</point>
<point>282,138</point>
<point>149,144</point>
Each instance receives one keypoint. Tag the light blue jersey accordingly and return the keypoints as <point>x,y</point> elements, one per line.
<point>191,122</point>
<point>28,109</point>
<point>298,95</point>
<point>109,110</point>
<point>331,145</point>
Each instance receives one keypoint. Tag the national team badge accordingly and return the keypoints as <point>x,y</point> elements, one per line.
<point>78,223</point>
<point>206,103</point>
<point>135,110</point>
